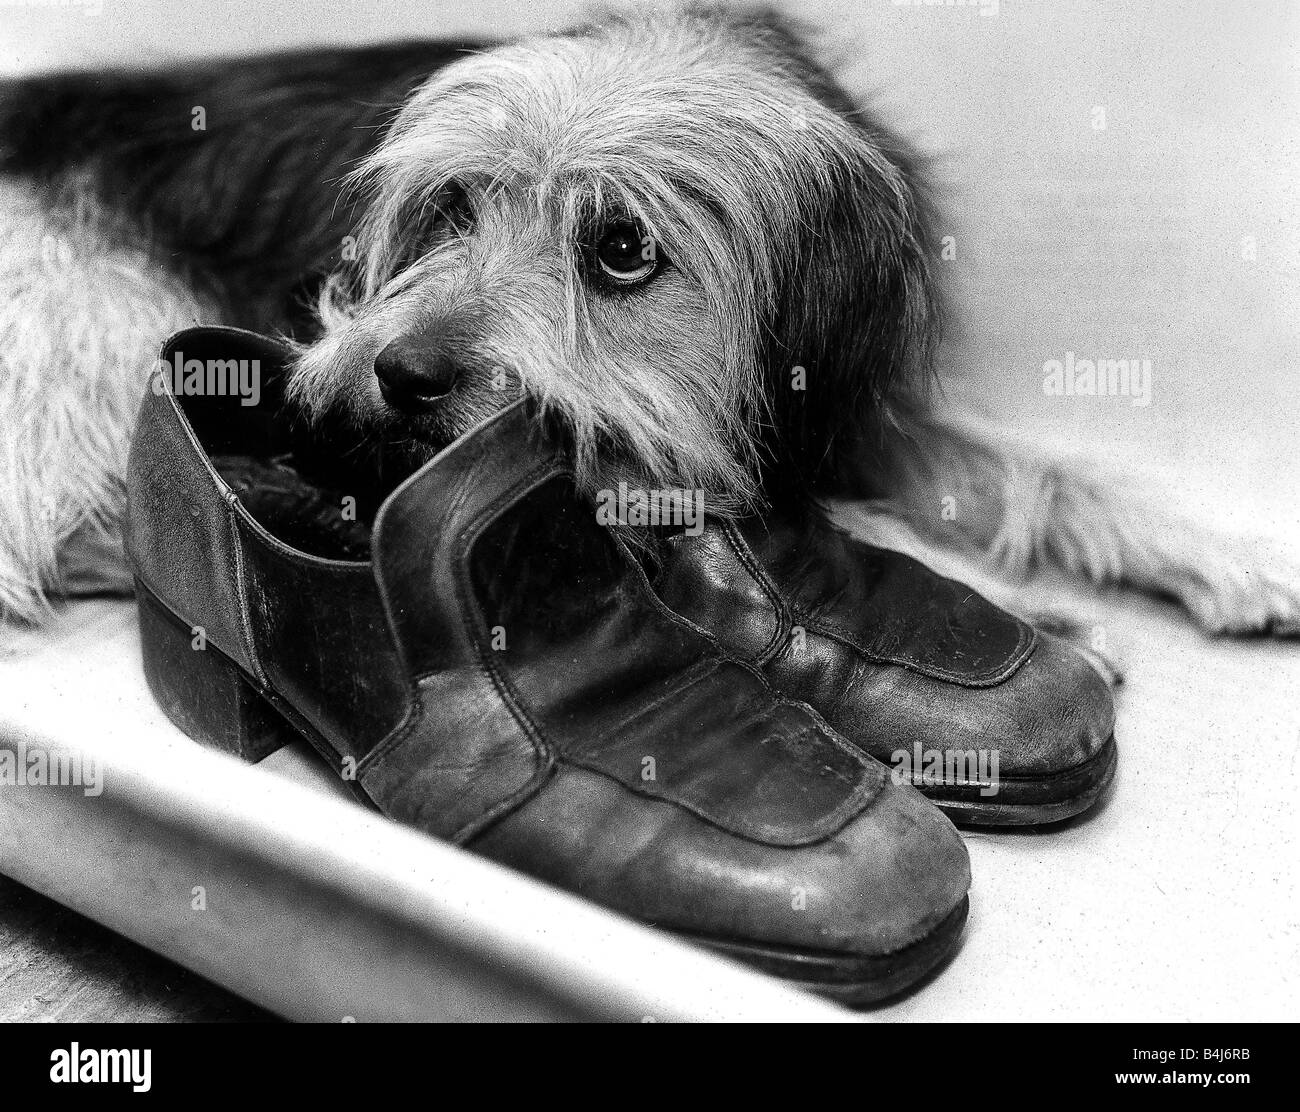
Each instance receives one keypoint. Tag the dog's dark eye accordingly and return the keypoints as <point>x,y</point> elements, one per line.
<point>455,210</point>
<point>624,253</point>
<point>431,222</point>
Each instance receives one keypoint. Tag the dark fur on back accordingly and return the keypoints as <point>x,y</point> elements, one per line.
<point>252,207</point>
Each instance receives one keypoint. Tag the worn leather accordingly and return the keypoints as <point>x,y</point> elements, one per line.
<point>179,524</point>
<point>338,643</point>
<point>507,678</point>
<point>891,654</point>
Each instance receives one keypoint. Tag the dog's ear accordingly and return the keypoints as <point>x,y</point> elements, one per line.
<point>857,321</point>
<point>857,316</point>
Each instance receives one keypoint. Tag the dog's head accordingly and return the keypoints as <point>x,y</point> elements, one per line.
<point>674,232</point>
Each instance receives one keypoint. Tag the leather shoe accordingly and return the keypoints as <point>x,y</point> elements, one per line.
<point>500,674</point>
<point>994,721</point>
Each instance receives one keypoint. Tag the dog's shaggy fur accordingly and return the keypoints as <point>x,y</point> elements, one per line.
<point>81,306</point>
<point>787,236</point>
<point>779,351</point>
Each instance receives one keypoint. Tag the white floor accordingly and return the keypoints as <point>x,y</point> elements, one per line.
<point>1178,899</point>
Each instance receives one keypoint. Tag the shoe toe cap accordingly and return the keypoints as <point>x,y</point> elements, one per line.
<point>1054,713</point>
<point>879,884</point>
<point>904,870</point>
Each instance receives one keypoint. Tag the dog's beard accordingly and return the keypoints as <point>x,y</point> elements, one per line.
<point>331,383</point>
<point>648,443</point>
<point>652,418</point>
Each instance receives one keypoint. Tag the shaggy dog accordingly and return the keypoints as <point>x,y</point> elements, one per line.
<point>676,232</point>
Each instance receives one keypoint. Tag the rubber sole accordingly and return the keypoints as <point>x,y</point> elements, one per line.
<point>852,979</point>
<point>1030,802</point>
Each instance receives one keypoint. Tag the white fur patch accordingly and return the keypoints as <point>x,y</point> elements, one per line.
<point>82,312</point>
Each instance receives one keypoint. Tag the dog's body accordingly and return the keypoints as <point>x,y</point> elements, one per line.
<point>771,341</point>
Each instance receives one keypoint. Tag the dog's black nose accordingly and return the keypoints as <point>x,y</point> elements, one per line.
<point>413,374</point>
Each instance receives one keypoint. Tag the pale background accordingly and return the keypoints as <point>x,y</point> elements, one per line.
<point>1179,899</point>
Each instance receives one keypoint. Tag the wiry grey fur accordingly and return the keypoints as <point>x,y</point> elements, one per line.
<point>82,304</point>
<point>746,182</point>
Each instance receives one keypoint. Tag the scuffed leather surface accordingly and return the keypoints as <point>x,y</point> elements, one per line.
<point>891,654</point>
<point>878,884</point>
<point>460,762</point>
<point>725,750</point>
<point>613,682</point>
<point>179,535</point>
<point>593,669</point>
<point>760,825</point>
<point>880,604</point>
<point>1053,713</point>
<point>323,641</point>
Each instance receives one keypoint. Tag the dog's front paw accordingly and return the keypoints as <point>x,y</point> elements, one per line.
<point>1242,589</point>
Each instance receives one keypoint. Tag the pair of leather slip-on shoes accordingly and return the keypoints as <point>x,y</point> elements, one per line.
<point>500,671</point>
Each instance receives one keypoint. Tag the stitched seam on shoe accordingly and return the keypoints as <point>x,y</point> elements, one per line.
<point>1015,659</point>
<point>241,592</point>
<point>853,803</point>
<point>412,684</point>
<point>1028,637</point>
<point>471,616</point>
<point>414,713</point>
<point>414,678</point>
<point>664,610</point>
<point>404,730</point>
<point>706,667</point>
<point>552,754</point>
<point>750,562</point>
<point>810,833</point>
<point>817,830</point>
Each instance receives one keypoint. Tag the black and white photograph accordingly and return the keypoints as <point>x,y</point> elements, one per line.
<point>650,512</point>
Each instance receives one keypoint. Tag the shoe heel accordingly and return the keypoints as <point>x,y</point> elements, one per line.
<point>202,691</point>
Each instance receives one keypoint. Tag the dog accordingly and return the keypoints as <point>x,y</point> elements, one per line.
<point>675,231</point>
